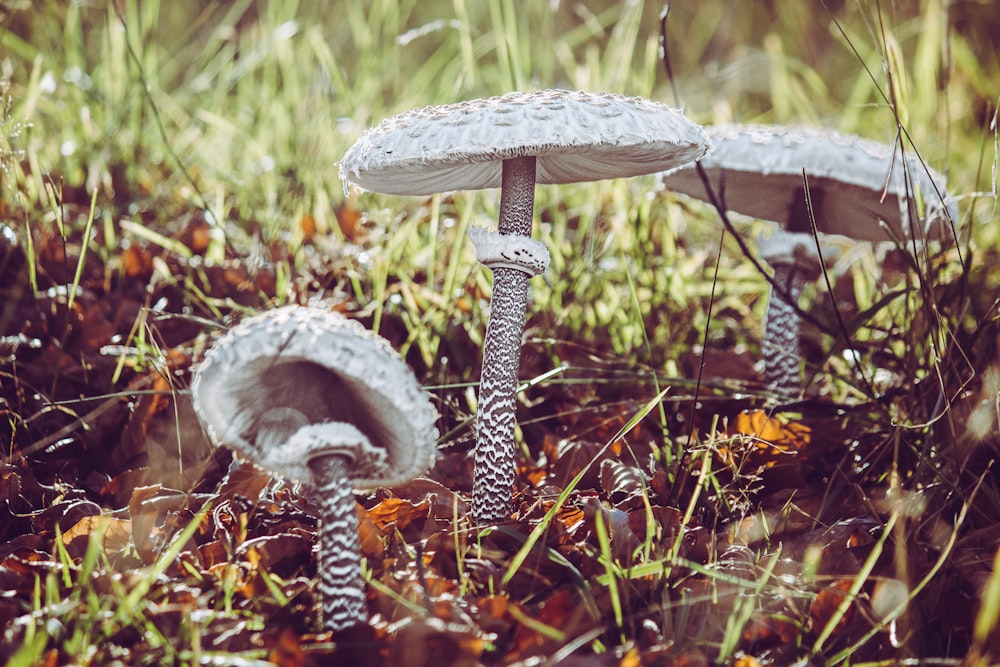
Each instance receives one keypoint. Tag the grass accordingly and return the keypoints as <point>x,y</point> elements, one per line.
<point>167,168</point>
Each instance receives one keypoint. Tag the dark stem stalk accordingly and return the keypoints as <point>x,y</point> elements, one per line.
<point>338,562</point>
<point>781,333</point>
<point>495,468</point>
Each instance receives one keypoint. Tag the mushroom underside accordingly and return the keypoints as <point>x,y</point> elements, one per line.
<point>272,399</point>
<point>838,208</point>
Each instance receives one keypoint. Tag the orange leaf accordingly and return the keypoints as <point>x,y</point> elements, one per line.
<point>494,606</point>
<point>823,607</point>
<point>631,658</point>
<point>136,262</point>
<point>349,220</point>
<point>746,661</point>
<point>398,511</point>
<point>371,536</point>
<point>307,224</point>
<point>782,434</point>
<point>287,651</point>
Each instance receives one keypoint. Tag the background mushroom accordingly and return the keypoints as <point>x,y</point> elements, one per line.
<point>512,142</point>
<point>316,398</point>
<point>857,188</point>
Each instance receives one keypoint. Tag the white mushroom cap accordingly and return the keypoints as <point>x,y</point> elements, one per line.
<point>266,384</point>
<point>575,136</point>
<point>853,182</point>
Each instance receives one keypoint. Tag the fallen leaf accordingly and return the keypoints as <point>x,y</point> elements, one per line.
<point>399,513</point>
<point>114,534</point>
<point>783,434</point>
<point>827,601</point>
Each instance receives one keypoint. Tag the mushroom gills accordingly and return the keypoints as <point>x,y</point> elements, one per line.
<point>315,398</point>
<point>340,400</point>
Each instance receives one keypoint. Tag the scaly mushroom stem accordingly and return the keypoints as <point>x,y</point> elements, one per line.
<point>340,582</point>
<point>781,333</point>
<point>493,480</point>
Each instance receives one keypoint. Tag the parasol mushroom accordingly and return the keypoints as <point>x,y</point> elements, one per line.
<point>314,397</point>
<point>513,142</point>
<point>856,188</point>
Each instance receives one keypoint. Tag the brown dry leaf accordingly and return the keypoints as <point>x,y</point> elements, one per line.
<point>213,553</point>
<point>572,456</point>
<point>562,611</point>
<point>493,606</point>
<point>117,490</point>
<point>154,511</point>
<point>534,475</point>
<point>620,480</point>
<point>444,502</point>
<point>287,651</point>
<point>665,519</point>
<point>282,554</point>
<point>95,329</point>
<point>434,643</point>
<point>114,533</point>
<point>371,536</point>
<point>154,403</point>
<point>246,481</point>
<point>550,447</point>
<point>399,513</point>
<point>823,607</point>
<point>571,518</point>
<point>770,631</point>
<point>142,522</point>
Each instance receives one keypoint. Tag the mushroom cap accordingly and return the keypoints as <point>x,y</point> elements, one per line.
<point>575,136</point>
<point>266,384</point>
<point>853,182</point>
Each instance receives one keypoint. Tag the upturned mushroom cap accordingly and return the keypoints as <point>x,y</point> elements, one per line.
<point>576,137</point>
<point>853,182</point>
<point>270,382</point>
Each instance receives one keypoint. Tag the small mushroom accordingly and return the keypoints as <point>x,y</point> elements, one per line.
<point>513,142</point>
<point>314,397</point>
<point>857,188</point>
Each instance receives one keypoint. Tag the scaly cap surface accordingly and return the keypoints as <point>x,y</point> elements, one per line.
<point>576,137</point>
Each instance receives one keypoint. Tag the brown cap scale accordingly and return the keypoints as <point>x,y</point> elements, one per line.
<point>857,188</point>
<point>513,142</point>
<point>314,397</point>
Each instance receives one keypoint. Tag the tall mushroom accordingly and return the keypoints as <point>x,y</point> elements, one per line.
<point>857,188</point>
<point>314,397</point>
<point>515,141</point>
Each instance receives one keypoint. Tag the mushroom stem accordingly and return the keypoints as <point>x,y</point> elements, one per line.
<point>781,333</point>
<point>340,582</point>
<point>493,478</point>
<point>517,195</point>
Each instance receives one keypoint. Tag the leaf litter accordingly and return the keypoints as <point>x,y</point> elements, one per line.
<point>713,529</point>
